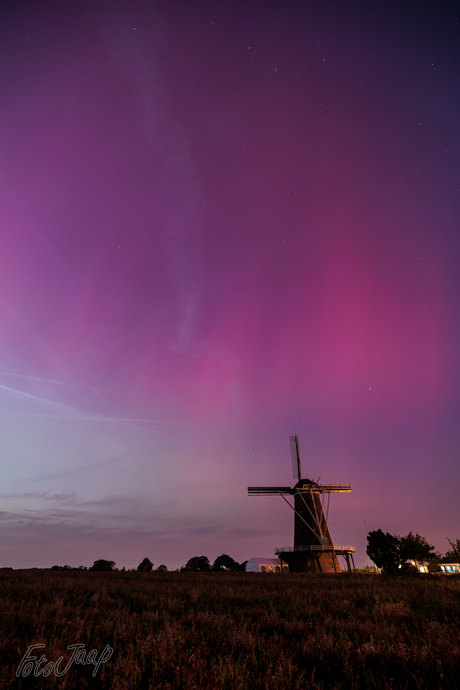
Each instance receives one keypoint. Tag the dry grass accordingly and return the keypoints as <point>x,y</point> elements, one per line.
<point>235,631</point>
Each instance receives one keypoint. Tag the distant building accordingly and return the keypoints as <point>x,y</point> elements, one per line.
<point>412,565</point>
<point>266,565</point>
<point>450,565</point>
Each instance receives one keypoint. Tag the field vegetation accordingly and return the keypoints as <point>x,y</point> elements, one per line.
<point>234,631</point>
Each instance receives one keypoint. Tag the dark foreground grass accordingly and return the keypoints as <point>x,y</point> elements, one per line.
<point>234,631</point>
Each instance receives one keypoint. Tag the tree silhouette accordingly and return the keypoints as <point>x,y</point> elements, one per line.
<point>383,549</point>
<point>103,566</point>
<point>388,550</point>
<point>197,563</point>
<point>455,551</point>
<point>146,566</point>
<point>415,547</point>
<point>225,562</point>
<point>162,569</point>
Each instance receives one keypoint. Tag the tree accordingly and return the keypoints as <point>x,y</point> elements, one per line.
<point>416,548</point>
<point>225,562</point>
<point>455,551</point>
<point>162,569</point>
<point>197,563</point>
<point>146,566</point>
<point>103,566</point>
<point>388,550</point>
<point>383,549</point>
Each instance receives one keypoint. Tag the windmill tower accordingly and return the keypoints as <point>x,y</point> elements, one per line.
<point>313,550</point>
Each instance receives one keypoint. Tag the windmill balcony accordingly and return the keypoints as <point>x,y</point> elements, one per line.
<point>315,547</point>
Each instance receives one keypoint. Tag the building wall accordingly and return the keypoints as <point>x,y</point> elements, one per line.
<point>302,562</point>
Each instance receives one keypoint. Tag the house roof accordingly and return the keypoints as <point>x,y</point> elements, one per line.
<point>265,561</point>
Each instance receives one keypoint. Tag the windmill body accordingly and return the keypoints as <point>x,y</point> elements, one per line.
<point>313,549</point>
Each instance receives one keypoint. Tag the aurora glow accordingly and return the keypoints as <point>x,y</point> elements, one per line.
<point>223,223</point>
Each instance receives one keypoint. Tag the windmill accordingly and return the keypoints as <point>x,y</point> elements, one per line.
<point>313,550</point>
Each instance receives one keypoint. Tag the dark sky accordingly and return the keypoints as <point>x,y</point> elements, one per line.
<point>222,223</point>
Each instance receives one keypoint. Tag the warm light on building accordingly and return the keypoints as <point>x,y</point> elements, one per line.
<point>450,568</point>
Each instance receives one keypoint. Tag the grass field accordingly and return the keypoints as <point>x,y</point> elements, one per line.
<point>234,631</point>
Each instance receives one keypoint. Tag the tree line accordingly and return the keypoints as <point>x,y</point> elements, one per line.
<point>195,564</point>
<point>388,551</point>
<point>200,564</point>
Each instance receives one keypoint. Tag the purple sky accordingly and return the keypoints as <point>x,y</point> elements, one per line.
<point>222,223</point>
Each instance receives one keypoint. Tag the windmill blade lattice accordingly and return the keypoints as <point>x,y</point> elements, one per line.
<point>295,457</point>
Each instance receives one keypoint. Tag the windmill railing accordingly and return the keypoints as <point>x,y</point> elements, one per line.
<point>315,547</point>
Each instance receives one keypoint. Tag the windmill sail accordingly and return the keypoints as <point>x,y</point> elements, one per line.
<point>295,456</point>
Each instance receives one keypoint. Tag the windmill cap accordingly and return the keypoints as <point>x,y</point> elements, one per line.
<point>306,484</point>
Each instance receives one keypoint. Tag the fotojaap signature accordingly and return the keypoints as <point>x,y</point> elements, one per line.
<point>31,663</point>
